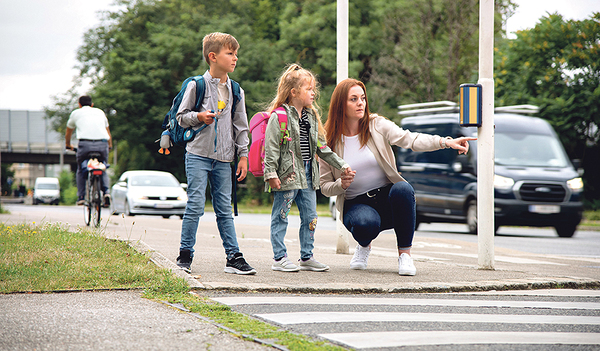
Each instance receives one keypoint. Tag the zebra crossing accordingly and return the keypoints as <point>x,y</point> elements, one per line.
<point>536,320</point>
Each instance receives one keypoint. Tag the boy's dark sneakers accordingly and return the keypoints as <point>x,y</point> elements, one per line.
<point>238,265</point>
<point>184,261</point>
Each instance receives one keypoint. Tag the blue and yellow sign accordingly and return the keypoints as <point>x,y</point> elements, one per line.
<point>470,105</point>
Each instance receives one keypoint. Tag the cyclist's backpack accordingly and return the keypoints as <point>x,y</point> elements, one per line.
<point>173,133</point>
<point>258,126</point>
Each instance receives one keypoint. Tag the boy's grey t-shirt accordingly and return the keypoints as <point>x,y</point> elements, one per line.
<point>229,132</point>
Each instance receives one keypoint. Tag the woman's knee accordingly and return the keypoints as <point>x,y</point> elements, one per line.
<point>402,192</point>
<point>362,219</point>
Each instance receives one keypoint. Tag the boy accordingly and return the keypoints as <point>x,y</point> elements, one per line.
<point>209,154</point>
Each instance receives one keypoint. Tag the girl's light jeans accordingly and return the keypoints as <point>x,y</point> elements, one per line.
<point>306,200</point>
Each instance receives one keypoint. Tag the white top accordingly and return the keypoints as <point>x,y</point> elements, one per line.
<point>369,174</point>
<point>89,123</point>
<point>223,93</point>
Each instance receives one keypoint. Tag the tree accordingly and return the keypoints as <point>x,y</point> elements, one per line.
<point>138,57</point>
<point>429,48</point>
<point>555,66</point>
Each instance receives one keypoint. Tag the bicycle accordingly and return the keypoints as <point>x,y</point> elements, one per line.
<point>93,197</point>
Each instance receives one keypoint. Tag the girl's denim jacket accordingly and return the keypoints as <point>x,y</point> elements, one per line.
<point>283,160</point>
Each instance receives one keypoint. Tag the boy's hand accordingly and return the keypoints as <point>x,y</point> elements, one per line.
<point>242,169</point>
<point>275,183</point>
<point>207,117</point>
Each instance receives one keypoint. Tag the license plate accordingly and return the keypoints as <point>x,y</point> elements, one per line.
<point>163,206</point>
<point>545,209</point>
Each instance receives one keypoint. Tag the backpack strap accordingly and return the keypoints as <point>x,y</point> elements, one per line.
<point>200,89</point>
<point>237,95</point>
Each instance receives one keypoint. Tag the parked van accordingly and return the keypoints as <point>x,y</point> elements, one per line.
<point>535,183</point>
<point>46,190</point>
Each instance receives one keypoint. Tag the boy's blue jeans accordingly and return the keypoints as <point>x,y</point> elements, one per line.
<point>199,170</point>
<point>306,200</point>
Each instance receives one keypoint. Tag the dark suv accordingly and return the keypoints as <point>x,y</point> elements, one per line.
<point>535,183</point>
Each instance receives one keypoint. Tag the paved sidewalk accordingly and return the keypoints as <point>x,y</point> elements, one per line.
<point>120,320</point>
<point>442,264</point>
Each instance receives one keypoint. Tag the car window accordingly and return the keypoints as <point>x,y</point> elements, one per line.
<point>47,186</point>
<point>439,156</point>
<point>528,150</point>
<point>153,180</point>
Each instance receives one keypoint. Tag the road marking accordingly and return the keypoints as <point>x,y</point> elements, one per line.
<point>341,300</point>
<point>414,338</point>
<point>346,317</point>
<point>537,292</point>
<point>506,259</point>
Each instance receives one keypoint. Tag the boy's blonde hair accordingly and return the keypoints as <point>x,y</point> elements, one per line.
<point>293,77</point>
<point>216,41</point>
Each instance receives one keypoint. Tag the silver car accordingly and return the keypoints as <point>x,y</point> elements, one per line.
<point>148,193</point>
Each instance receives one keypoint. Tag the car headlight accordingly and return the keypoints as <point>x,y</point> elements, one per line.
<point>575,184</point>
<point>182,197</point>
<point>503,183</point>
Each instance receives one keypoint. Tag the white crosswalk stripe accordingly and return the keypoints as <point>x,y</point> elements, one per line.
<point>365,322</point>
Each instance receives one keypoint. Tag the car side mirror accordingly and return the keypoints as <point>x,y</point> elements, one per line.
<point>577,165</point>
<point>122,184</point>
<point>183,185</point>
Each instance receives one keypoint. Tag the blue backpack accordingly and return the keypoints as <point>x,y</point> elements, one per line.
<point>173,133</point>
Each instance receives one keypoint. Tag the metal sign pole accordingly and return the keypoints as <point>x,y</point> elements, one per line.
<point>343,241</point>
<point>485,138</point>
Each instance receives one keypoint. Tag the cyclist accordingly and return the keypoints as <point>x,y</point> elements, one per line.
<point>91,128</point>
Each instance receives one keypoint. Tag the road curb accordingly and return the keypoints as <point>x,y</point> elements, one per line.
<point>161,261</point>
<point>432,287</point>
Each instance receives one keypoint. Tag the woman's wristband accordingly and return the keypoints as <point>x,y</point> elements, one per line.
<point>443,140</point>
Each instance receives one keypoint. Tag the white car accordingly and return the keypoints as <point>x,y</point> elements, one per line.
<point>46,190</point>
<point>332,207</point>
<point>148,193</point>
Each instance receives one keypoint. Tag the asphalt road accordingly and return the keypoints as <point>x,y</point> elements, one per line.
<point>510,320</point>
<point>532,240</point>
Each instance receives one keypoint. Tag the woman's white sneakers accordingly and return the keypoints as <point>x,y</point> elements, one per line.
<point>360,258</point>
<point>406,265</point>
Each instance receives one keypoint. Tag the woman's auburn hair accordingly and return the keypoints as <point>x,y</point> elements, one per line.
<point>336,118</point>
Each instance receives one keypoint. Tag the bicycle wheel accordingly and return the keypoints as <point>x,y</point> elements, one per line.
<point>87,206</point>
<point>96,201</point>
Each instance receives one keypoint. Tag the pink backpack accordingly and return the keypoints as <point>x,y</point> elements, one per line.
<point>258,126</point>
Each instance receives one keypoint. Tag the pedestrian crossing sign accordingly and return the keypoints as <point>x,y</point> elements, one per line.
<point>470,105</point>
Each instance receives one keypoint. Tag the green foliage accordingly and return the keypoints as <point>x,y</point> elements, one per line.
<point>68,188</point>
<point>405,51</point>
<point>6,173</point>
<point>555,66</point>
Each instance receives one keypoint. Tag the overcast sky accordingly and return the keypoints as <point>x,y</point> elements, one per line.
<point>39,40</point>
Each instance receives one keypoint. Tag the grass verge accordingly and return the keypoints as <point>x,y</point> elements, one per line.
<point>49,258</point>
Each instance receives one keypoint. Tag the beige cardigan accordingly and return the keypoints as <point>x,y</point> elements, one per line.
<point>384,134</point>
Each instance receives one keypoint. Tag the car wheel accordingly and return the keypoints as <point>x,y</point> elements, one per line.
<point>166,216</point>
<point>472,216</point>
<point>127,210</point>
<point>566,230</point>
<point>181,216</point>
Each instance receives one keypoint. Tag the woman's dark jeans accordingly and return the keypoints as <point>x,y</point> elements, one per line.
<point>366,217</point>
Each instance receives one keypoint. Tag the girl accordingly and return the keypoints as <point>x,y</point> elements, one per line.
<point>291,168</point>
